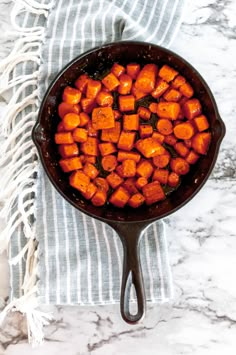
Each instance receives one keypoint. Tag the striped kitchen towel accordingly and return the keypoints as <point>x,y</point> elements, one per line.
<point>57,254</point>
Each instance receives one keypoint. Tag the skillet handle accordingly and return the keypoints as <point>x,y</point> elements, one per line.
<point>130,235</point>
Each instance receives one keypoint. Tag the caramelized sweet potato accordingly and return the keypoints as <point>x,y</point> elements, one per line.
<point>109,162</point>
<point>201,123</point>
<point>126,103</point>
<point>149,147</point>
<point>65,108</point>
<point>131,122</point>
<point>99,198</point>
<point>110,82</point>
<point>120,197</point>
<point>201,142</point>
<point>123,155</point>
<point>179,166</point>
<point>90,147</point>
<point>146,79</point>
<point>117,69</point>
<point>160,88</point>
<point>125,84</point>
<point>161,175</point>
<point>79,180</point>
<point>145,169</point>
<point>168,110</point>
<point>71,95</point>
<point>68,150</point>
<point>192,108</point>
<point>114,180</point>
<point>103,118</point>
<point>167,73</point>
<point>184,130</point>
<point>64,138</point>
<point>90,170</point>
<point>93,88</point>
<point>71,121</point>
<point>111,134</point>
<point>104,99</point>
<point>153,192</point>
<point>136,200</point>
<point>141,182</point>
<point>133,70</point>
<point>80,135</point>
<point>173,179</point>
<point>70,164</point>
<point>126,140</point>
<point>144,113</point>
<point>164,126</point>
<point>145,130</point>
<point>128,168</point>
<point>106,148</point>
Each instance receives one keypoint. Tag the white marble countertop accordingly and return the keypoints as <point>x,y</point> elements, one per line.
<point>201,236</point>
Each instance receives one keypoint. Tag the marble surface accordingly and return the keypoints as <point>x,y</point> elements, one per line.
<point>202,242</point>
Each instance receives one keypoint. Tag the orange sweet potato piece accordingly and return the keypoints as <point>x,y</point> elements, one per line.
<point>101,184</point>
<point>104,99</point>
<point>103,118</point>
<point>71,121</point>
<point>126,140</point>
<point>192,157</point>
<point>137,93</point>
<point>184,130</point>
<point>106,148</point>
<point>63,138</point>
<point>146,79</point>
<point>90,170</point>
<point>91,189</point>
<point>81,83</point>
<point>123,155</point>
<point>80,135</point>
<point>192,108</point>
<point>160,88</point>
<point>114,180</point>
<point>145,130</point>
<point>186,90</point>
<point>168,110</point>
<point>201,123</point>
<point>179,166</point>
<point>90,147</point>
<point>167,73</point>
<point>92,132</point>
<point>144,113</point>
<point>120,197</point>
<point>68,150</point>
<point>201,142</point>
<point>129,185</point>
<point>128,168</point>
<point>99,198</point>
<point>131,122</point>
<point>109,162</point>
<point>145,169</point>
<point>79,180</point>
<point>93,88</point>
<point>170,139</point>
<point>164,126</point>
<point>64,108</point>
<point>126,103</point>
<point>71,95</point>
<point>136,200</point>
<point>172,95</point>
<point>110,82</point>
<point>125,84</point>
<point>88,104</point>
<point>153,107</point>
<point>70,164</point>
<point>153,192</point>
<point>161,175</point>
<point>178,81</point>
<point>117,69</point>
<point>173,179</point>
<point>84,119</point>
<point>89,158</point>
<point>181,149</point>
<point>133,70</point>
<point>111,134</point>
<point>149,147</point>
<point>158,136</point>
<point>161,161</point>
<point>141,182</point>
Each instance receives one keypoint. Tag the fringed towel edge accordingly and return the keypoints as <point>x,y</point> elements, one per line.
<point>18,179</point>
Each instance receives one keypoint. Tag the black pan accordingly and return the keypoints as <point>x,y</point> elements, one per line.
<point>128,223</point>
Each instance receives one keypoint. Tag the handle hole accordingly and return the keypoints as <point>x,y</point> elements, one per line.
<point>133,304</point>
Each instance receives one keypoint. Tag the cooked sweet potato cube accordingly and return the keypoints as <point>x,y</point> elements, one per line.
<point>201,142</point>
<point>125,84</point>
<point>101,184</point>
<point>104,99</point>
<point>84,119</point>
<point>164,126</point>
<point>64,108</point>
<point>145,130</point>
<point>144,113</point>
<point>90,170</point>
<point>136,200</point>
<point>146,78</point>
<point>192,108</point>
<point>114,180</point>
<point>90,159</point>
<point>68,150</point>
<point>133,69</point>
<point>167,73</point>
<point>80,135</point>
<point>111,134</point>
<point>71,121</point>
<point>141,182</point>
<point>184,130</point>
<point>63,138</point>
<point>110,82</point>
<point>88,104</point>
<point>103,118</point>
<point>186,90</point>
<point>153,192</point>
<point>120,197</point>
<point>129,185</point>
<point>106,148</point>
<point>109,163</point>
<point>168,110</point>
<point>149,147</point>
<point>79,180</point>
<point>137,93</point>
<point>178,81</point>
<point>161,175</point>
<point>91,189</point>
<point>172,95</point>
<point>170,139</point>
<point>201,123</point>
<point>126,140</point>
<point>99,198</point>
<point>128,168</point>
<point>159,137</point>
<point>71,95</point>
<point>70,164</point>
<point>117,70</point>
<point>192,157</point>
<point>181,149</point>
<point>153,107</point>
<point>123,155</point>
<point>93,88</point>
<point>126,103</point>
<point>92,132</point>
<point>161,161</point>
<point>145,169</point>
<point>131,122</point>
<point>160,88</point>
<point>90,147</point>
<point>81,83</point>
<point>173,179</point>
<point>179,166</point>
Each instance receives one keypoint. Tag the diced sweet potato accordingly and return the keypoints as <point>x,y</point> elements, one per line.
<point>117,69</point>
<point>137,93</point>
<point>167,73</point>
<point>90,147</point>
<point>111,134</point>
<point>126,103</point>
<point>172,95</point>
<point>89,159</point>
<point>164,126</point>
<point>178,81</point>
<point>123,155</point>
<point>114,180</point>
<point>79,181</point>
<point>128,168</point>
<point>90,170</point>
<point>192,108</point>
<point>120,197</point>
<point>141,182</point>
<point>64,108</point>
<point>153,192</point>
<point>160,88</point>
<point>131,122</point>
<point>104,99</point>
<point>168,110</point>
<point>170,139</point>
<point>92,132</point>
<point>159,137</point>
<point>106,148</point>
<point>91,189</point>
<point>63,138</point>
<point>144,169</point>
<point>110,82</point>
<point>144,113</point>
<point>109,162</point>
<point>173,179</point>
<point>201,142</point>
<point>125,84</point>
<point>184,130</point>
<point>84,119</point>
<point>126,140</point>
<point>93,88</point>
<point>192,157</point>
<point>101,184</point>
<point>81,83</point>
<point>201,123</point>
<point>181,149</point>
<point>149,147</point>
<point>179,166</point>
<point>71,95</point>
<point>88,104</point>
<point>161,175</point>
<point>136,200</point>
<point>71,121</point>
<point>146,79</point>
<point>70,164</point>
<point>99,198</point>
<point>103,118</point>
<point>161,161</point>
<point>145,130</point>
<point>80,135</point>
<point>68,150</point>
<point>187,90</point>
<point>129,185</point>
<point>133,70</point>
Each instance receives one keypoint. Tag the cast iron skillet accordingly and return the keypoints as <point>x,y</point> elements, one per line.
<point>128,223</point>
